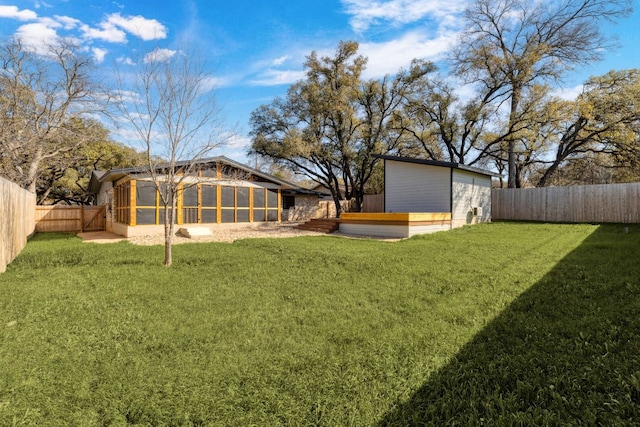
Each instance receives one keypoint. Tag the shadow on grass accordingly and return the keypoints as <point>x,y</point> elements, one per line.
<point>566,352</point>
<point>52,237</point>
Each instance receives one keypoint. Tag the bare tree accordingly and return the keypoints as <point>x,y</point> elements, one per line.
<point>169,105</point>
<point>512,44</point>
<point>42,95</point>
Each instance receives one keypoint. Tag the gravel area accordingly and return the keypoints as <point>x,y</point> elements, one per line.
<point>231,234</point>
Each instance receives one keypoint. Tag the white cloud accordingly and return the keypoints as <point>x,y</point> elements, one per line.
<point>99,54</point>
<point>281,60</point>
<point>212,83</point>
<point>159,55</point>
<point>569,93</point>
<point>273,77</point>
<point>125,60</point>
<point>127,97</point>
<point>106,32</point>
<point>37,37</point>
<point>39,4</point>
<point>235,141</point>
<point>67,22</point>
<point>367,13</point>
<point>389,57</point>
<point>146,29</point>
<point>40,35</point>
<point>383,57</point>
<point>115,28</point>
<point>14,13</point>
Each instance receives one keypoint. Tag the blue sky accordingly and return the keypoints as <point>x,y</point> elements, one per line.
<point>256,48</point>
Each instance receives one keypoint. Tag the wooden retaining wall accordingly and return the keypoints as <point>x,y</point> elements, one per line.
<point>17,220</point>
<point>615,203</point>
<point>72,219</point>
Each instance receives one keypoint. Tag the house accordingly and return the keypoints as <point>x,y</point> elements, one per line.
<point>325,192</point>
<point>422,196</point>
<point>221,192</point>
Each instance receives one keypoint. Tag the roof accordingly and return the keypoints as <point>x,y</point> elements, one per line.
<point>98,177</point>
<point>437,163</point>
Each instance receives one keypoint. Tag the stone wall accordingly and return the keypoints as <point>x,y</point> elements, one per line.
<point>306,207</point>
<point>105,197</point>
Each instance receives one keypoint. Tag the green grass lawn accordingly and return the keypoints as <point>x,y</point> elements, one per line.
<point>496,324</point>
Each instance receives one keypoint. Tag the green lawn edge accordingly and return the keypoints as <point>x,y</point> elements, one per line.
<point>495,324</point>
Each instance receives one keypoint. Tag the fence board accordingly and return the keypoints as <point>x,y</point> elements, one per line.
<point>17,220</point>
<point>373,203</point>
<point>94,218</point>
<point>70,219</point>
<point>615,203</point>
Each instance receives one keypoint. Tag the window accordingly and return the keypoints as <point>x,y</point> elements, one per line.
<point>242,204</point>
<point>209,202</point>
<point>288,202</point>
<point>145,194</point>
<point>121,195</point>
<point>228,204</point>
<point>190,205</point>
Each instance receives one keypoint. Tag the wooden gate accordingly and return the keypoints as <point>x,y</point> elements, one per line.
<point>73,219</point>
<point>94,218</point>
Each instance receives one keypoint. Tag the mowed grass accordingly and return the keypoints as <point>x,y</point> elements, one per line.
<point>496,324</point>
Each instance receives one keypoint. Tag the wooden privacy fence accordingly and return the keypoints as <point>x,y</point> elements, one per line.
<point>617,203</point>
<point>373,203</point>
<point>17,220</point>
<point>73,219</point>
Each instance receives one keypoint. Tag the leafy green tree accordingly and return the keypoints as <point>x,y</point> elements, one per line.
<point>592,168</point>
<point>65,179</point>
<point>41,99</point>
<point>510,45</point>
<point>439,126</point>
<point>605,119</point>
<point>331,125</point>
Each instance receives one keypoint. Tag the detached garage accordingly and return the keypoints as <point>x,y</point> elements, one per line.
<point>422,196</point>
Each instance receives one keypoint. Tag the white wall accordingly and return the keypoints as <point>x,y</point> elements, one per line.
<point>394,231</point>
<point>470,190</point>
<point>411,187</point>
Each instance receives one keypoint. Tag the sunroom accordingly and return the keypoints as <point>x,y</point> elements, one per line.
<point>221,192</point>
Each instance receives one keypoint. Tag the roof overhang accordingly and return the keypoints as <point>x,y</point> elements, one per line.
<point>98,177</point>
<point>437,163</point>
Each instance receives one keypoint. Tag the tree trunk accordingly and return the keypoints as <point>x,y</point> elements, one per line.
<point>551,170</point>
<point>358,200</point>
<point>336,202</point>
<point>167,246</point>
<point>32,171</point>
<point>511,165</point>
<point>511,160</point>
<point>169,216</point>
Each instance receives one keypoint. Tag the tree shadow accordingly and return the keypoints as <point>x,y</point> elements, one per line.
<point>53,236</point>
<point>566,352</point>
